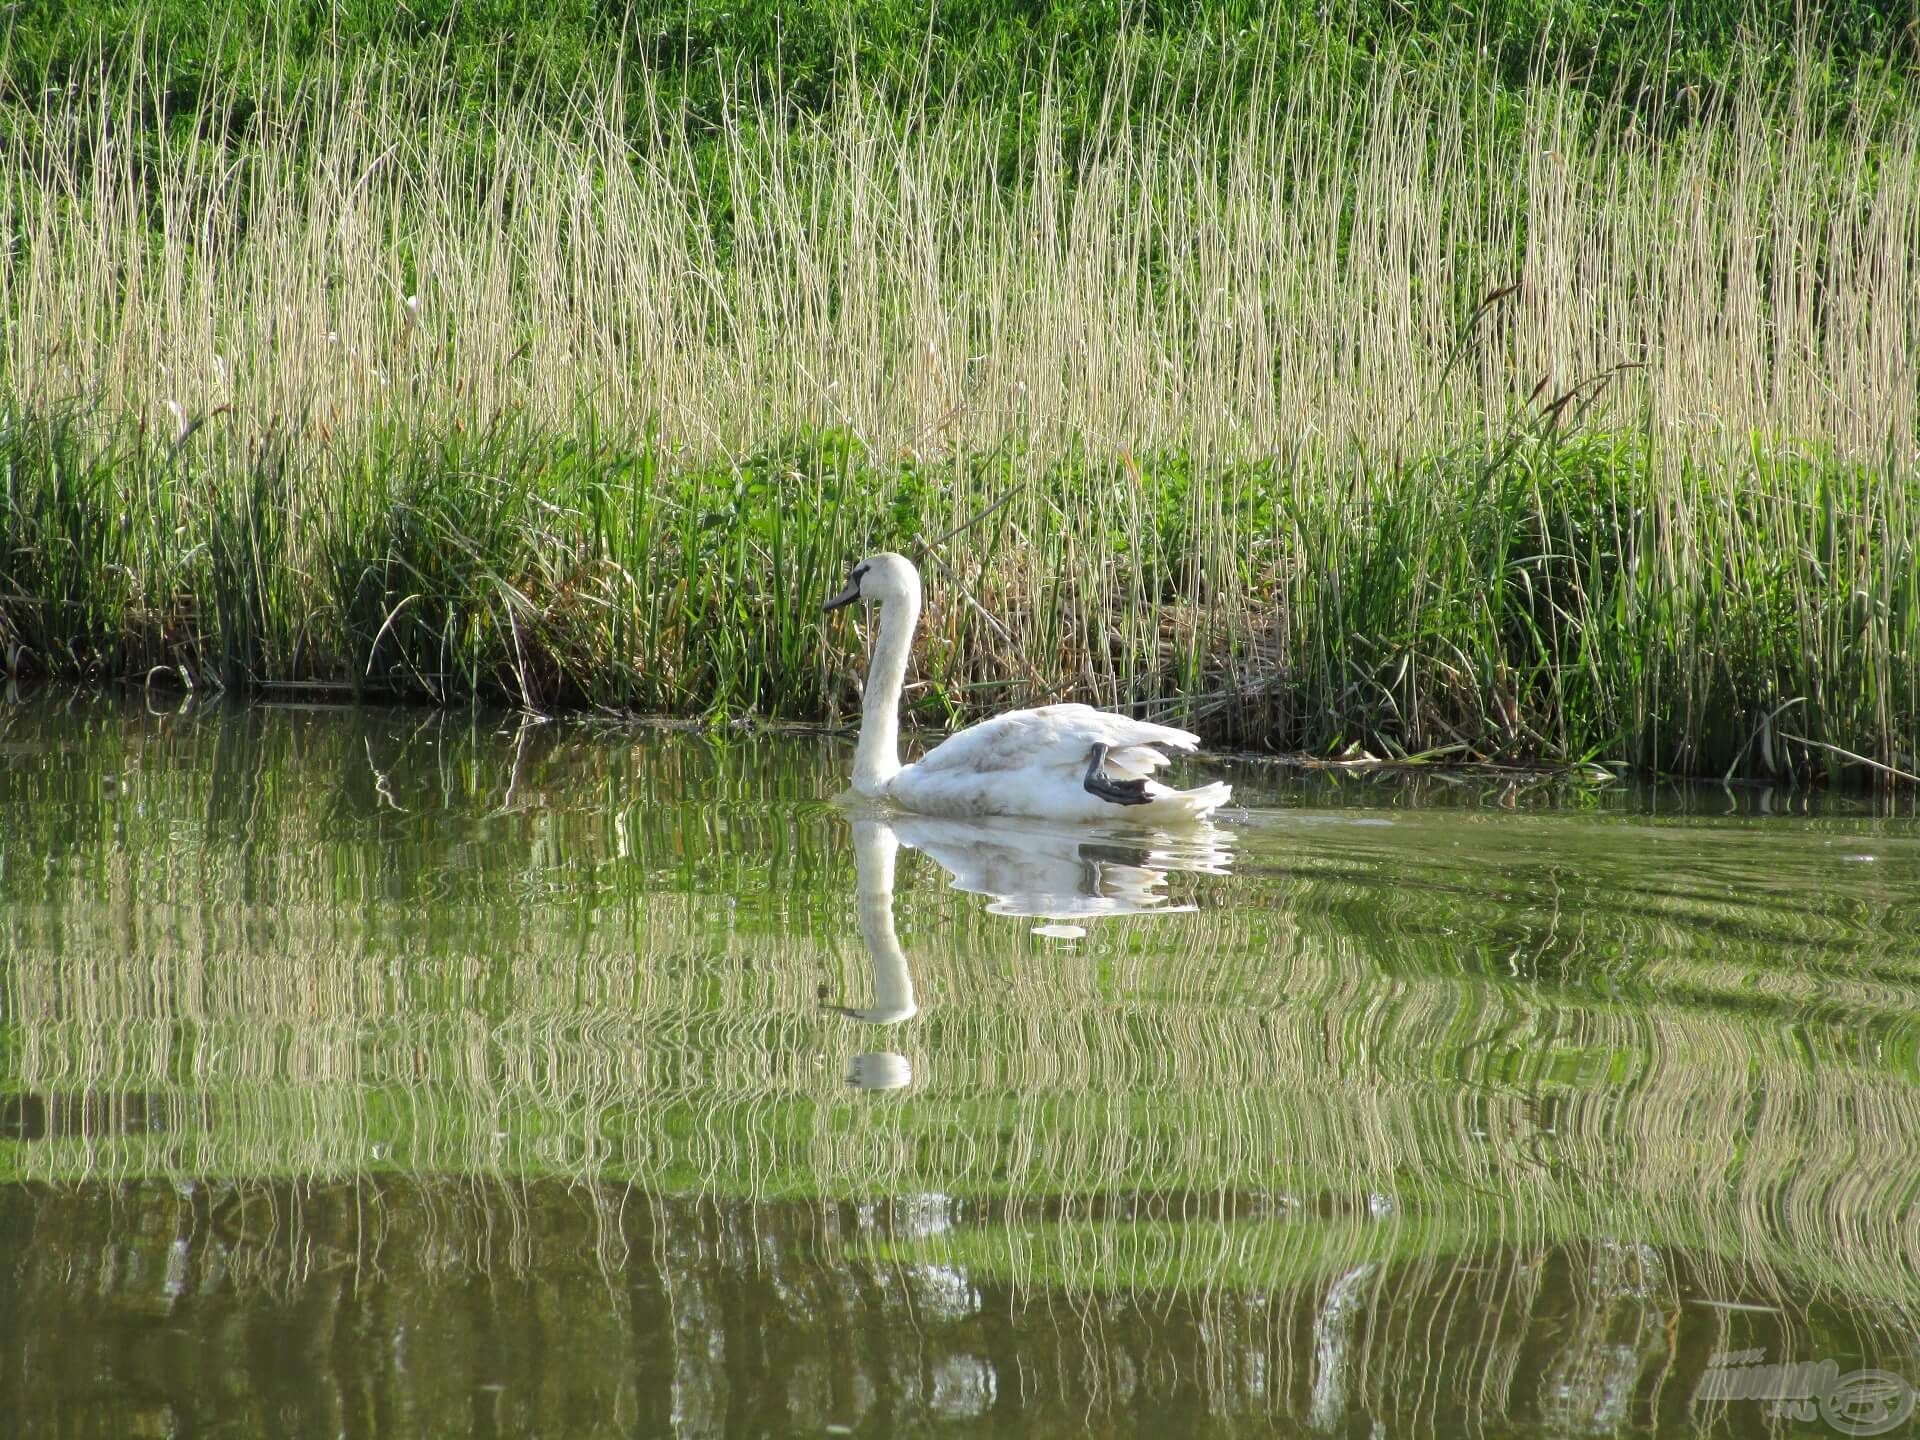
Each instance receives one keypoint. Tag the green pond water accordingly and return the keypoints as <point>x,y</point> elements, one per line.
<point>401,1073</point>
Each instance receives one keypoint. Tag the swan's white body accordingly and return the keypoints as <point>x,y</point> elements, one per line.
<point>1031,763</point>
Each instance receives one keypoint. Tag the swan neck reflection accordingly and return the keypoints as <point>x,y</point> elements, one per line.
<point>874,847</point>
<point>1024,869</point>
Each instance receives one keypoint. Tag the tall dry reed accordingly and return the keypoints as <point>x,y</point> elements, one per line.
<point>1283,272</point>
<point>1282,375</point>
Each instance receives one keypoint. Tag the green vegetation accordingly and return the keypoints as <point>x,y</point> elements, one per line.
<point>1545,389</point>
<point>968,50</point>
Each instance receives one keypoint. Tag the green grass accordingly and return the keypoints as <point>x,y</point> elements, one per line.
<point>1346,384</point>
<point>1528,602</point>
<point>967,49</point>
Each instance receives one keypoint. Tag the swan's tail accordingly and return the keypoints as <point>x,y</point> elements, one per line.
<point>1175,806</point>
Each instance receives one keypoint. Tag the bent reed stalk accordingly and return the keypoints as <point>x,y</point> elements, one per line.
<point>1384,406</point>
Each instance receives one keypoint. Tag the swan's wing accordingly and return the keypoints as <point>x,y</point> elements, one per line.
<point>1056,737</point>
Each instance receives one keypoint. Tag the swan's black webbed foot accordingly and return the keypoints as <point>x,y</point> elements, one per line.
<point>1120,792</point>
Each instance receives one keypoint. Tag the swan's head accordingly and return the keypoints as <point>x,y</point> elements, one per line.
<point>882,577</point>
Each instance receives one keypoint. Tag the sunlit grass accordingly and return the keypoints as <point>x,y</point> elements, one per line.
<point>1381,404</point>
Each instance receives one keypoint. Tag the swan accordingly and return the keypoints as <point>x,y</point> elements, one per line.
<point>1056,762</point>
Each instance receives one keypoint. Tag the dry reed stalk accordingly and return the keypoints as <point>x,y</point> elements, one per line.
<point>1279,274</point>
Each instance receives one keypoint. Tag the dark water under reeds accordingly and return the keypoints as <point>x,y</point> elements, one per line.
<point>394,1073</point>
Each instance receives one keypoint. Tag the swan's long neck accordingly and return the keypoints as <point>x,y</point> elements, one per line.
<point>877,760</point>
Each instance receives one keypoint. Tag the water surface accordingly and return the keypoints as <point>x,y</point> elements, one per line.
<point>391,1072</point>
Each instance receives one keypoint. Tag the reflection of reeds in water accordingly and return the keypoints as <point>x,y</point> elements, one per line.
<point>860,1311</point>
<point>603,963</point>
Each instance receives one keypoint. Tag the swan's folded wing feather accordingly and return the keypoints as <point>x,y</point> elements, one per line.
<point>1135,762</point>
<point>1056,736</point>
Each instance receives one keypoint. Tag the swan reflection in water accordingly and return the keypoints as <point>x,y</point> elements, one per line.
<point>1029,869</point>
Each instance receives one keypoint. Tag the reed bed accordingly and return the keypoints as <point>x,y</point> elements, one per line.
<point>1382,404</point>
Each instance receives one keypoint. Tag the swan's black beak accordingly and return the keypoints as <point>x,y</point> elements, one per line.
<point>848,595</point>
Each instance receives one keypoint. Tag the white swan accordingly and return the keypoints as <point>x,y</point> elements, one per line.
<point>1058,762</point>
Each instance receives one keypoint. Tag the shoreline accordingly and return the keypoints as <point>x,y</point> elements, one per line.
<point>1865,784</point>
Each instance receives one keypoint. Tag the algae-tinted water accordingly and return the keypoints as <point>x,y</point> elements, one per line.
<point>393,1073</point>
